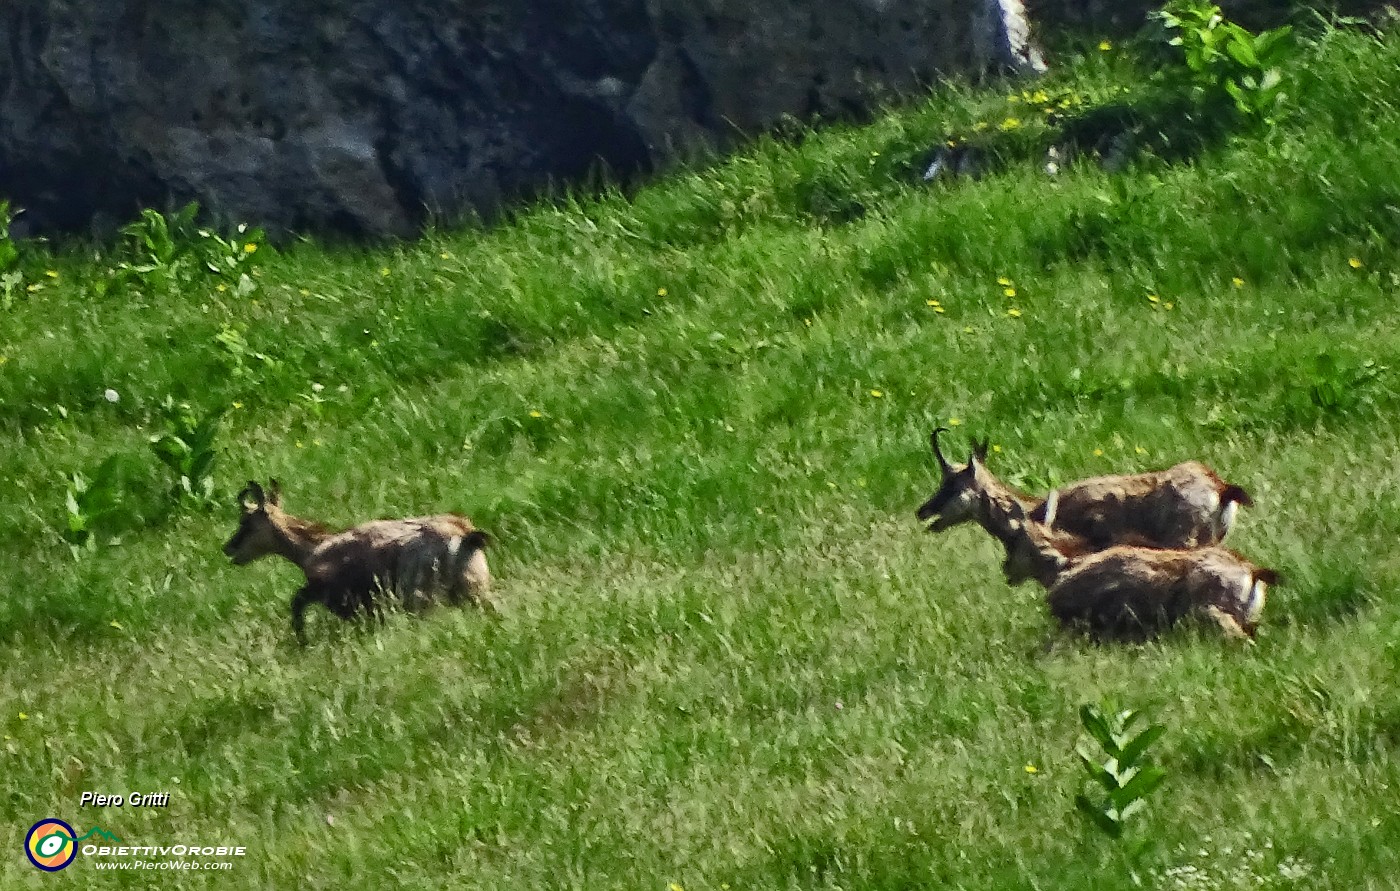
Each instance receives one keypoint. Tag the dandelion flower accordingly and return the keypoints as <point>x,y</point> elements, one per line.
<point>1153,298</point>
<point>536,414</point>
<point>1014,313</point>
<point>877,393</point>
<point>1031,768</point>
<point>23,716</point>
<point>1105,46</point>
<point>1140,450</point>
<point>1170,305</point>
<point>1098,453</point>
<point>1004,281</point>
<point>51,273</point>
<point>445,255</point>
<point>660,292</point>
<point>111,395</point>
<point>384,271</point>
<point>954,422</point>
<point>249,248</point>
<point>1009,292</point>
<point>1237,282</point>
<point>674,887</point>
<point>221,287</point>
<point>1009,124</point>
<point>238,405</point>
<point>1354,263</point>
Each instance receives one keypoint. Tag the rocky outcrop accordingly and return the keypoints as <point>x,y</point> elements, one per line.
<point>1126,15</point>
<point>366,116</point>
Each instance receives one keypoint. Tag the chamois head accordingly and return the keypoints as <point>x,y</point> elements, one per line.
<point>1033,551</point>
<point>956,500</point>
<point>257,528</point>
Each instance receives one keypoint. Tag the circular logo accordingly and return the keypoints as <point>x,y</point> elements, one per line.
<point>50,845</point>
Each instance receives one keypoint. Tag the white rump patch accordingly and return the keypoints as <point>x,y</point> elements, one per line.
<point>454,544</point>
<point>1227,516</point>
<point>1052,504</point>
<point>1256,600</point>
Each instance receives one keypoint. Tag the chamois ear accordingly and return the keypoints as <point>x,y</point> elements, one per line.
<point>979,451</point>
<point>252,499</point>
<point>274,496</point>
<point>476,540</point>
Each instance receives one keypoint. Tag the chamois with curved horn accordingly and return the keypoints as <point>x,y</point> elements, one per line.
<point>1185,506</point>
<point>417,561</point>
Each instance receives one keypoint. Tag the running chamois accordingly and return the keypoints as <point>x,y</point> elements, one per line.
<point>416,561</point>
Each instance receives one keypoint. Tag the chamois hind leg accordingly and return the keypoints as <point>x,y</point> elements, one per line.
<point>1235,627</point>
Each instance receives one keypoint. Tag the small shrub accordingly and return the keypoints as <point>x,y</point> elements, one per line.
<point>1226,63</point>
<point>161,253</point>
<point>1126,777</point>
<point>189,449</point>
<point>90,503</point>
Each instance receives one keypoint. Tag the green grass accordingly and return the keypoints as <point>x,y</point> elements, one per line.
<point>730,656</point>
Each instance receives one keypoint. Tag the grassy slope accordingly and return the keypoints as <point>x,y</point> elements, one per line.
<point>731,657</point>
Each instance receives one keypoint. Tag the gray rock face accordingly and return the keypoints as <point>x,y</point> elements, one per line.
<point>366,116</point>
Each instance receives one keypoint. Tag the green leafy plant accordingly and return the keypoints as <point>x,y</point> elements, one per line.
<point>90,502</point>
<point>162,251</point>
<point>189,448</point>
<point>11,278</point>
<point>1227,63</point>
<point>1126,776</point>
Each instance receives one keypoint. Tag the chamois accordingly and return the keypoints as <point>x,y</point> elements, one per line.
<point>1128,591</point>
<point>1185,506</point>
<point>417,560</point>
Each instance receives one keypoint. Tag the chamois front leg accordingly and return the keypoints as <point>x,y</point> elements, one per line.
<point>304,598</point>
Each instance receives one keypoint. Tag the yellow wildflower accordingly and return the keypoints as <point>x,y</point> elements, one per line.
<point>237,405</point>
<point>51,273</point>
<point>23,716</point>
<point>1355,263</point>
<point>445,255</point>
<point>954,422</point>
<point>1004,281</point>
<point>1153,298</point>
<point>1237,282</point>
<point>1098,453</point>
<point>1031,768</point>
<point>115,624</point>
<point>1105,46</point>
<point>1014,313</point>
<point>249,248</point>
<point>1009,124</point>
<point>877,393</point>
<point>384,271</point>
<point>660,292</point>
<point>536,414</point>
<point>1140,450</point>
